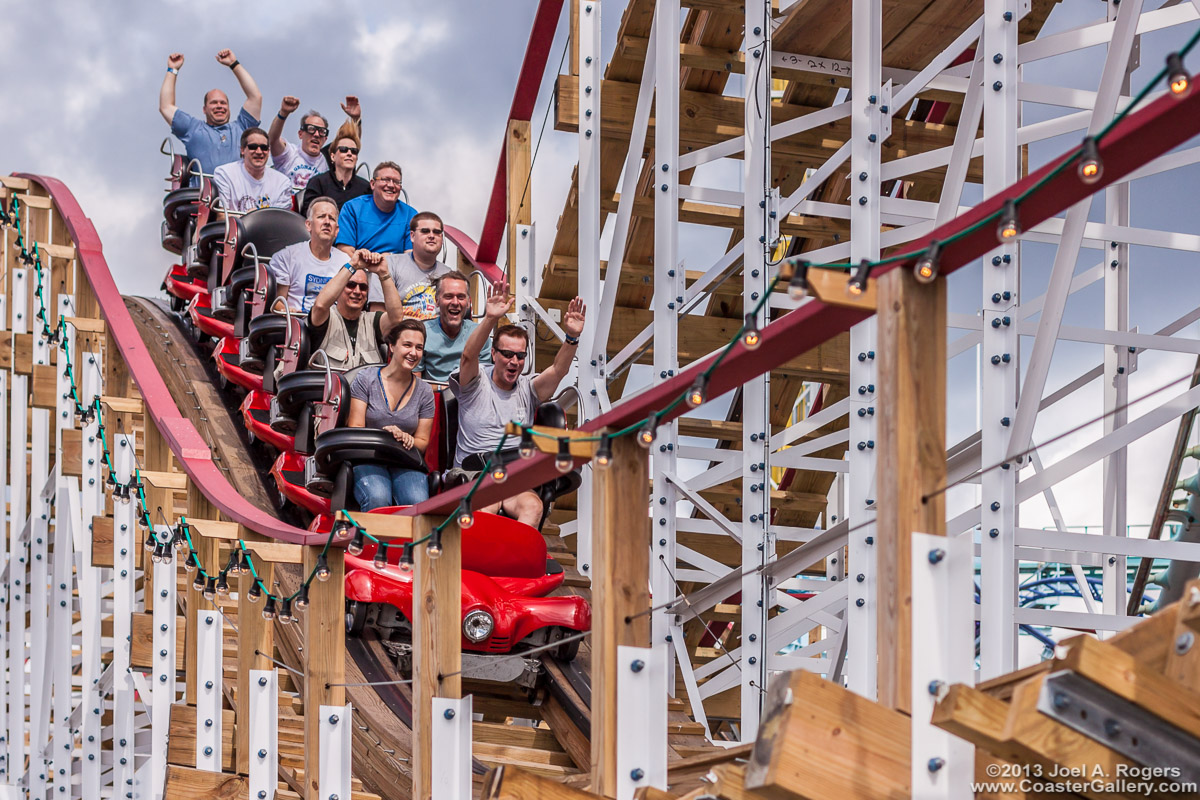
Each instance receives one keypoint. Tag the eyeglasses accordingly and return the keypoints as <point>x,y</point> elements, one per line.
<point>315,130</point>
<point>356,287</point>
<point>388,181</point>
<point>427,231</point>
<point>257,146</point>
<point>351,150</point>
<point>519,355</point>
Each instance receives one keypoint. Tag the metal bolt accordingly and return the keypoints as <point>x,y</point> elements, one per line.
<point>1183,643</point>
<point>1061,701</point>
<point>860,602</point>
<point>638,665</point>
<point>862,201</point>
<point>208,723</point>
<point>637,773</point>
<point>208,751</point>
<point>1008,15</point>
<point>1112,728</point>
<point>261,681</point>
<point>872,99</point>
<point>871,137</point>
<point>993,533</point>
<point>883,109</point>
<point>995,505</point>
<point>935,686</point>
<point>936,763</point>
<point>448,713</point>
<point>752,660</point>
<point>588,133</point>
<point>996,59</point>
<point>208,684</point>
<point>262,753</point>
<point>997,86</point>
<point>936,555</point>
<point>333,719</point>
<point>1005,421</point>
<point>662,542</point>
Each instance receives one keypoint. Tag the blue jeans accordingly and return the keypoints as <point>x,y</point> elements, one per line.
<point>376,485</point>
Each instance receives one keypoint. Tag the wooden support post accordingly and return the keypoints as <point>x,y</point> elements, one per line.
<point>912,459</point>
<point>437,639</point>
<point>254,634</point>
<point>324,654</point>
<point>573,61</point>
<point>206,554</point>
<point>520,189</point>
<point>620,592</point>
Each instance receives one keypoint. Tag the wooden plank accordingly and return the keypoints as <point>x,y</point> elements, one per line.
<point>44,387</point>
<point>142,642</point>
<point>16,184</point>
<point>161,479</point>
<point>277,552</point>
<point>820,741</point>
<point>72,452</point>
<point>512,783</point>
<point>437,639</point>
<point>88,325</point>
<point>36,201</point>
<point>519,201</point>
<point>381,526</point>
<point>22,353</point>
<point>324,654</point>
<point>580,443</point>
<point>1183,664</point>
<point>185,783</point>
<point>215,529</point>
<point>256,643</point>
<point>181,743</point>
<point>102,544</point>
<point>620,594</point>
<point>911,467</point>
<point>63,251</point>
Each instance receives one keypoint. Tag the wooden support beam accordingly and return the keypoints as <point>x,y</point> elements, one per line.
<point>513,783</point>
<point>324,654</point>
<point>381,526</point>
<point>519,187</point>
<point>620,595</point>
<point>437,639</point>
<point>256,643</point>
<point>187,783</point>
<point>911,469</point>
<point>820,741</point>
<point>545,439</point>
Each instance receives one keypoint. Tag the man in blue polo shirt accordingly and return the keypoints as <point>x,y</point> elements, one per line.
<point>215,140</point>
<point>378,222</point>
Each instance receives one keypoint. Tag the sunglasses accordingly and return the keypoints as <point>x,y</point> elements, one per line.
<point>427,231</point>
<point>256,146</point>
<point>517,354</point>
<point>351,150</point>
<point>356,287</point>
<point>315,130</point>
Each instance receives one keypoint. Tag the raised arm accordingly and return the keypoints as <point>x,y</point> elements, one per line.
<point>275,134</point>
<point>545,384</point>
<point>254,99</point>
<point>166,94</point>
<point>498,304</point>
<point>331,291</point>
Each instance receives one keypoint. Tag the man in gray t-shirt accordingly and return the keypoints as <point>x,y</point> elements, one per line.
<point>414,272</point>
<point>490,398</point>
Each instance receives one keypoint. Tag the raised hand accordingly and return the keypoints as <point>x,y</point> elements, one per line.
<point>289,105</point>
<point>574,318</point>
<point>226,57</point>
<point>498,301</point>
<point>366,260</point>
<point>175,60</point>
<point>351,107</point>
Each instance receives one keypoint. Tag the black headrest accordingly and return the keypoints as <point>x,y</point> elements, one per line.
<point>270,230</point>
<point>550,415</point>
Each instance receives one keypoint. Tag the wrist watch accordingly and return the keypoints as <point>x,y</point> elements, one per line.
<point>234,65</point>
<point>570,340</point>
<point>172,70</point>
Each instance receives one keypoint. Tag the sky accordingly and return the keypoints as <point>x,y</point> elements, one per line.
<point>79,97</point>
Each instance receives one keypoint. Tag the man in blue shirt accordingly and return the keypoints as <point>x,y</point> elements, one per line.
<point>378,222</point>
<point>214,140</point>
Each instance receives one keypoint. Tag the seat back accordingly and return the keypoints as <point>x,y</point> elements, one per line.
<point>331,412</point>
<point>295,345</point>
<point>270,230</point>
<point>178,179</point>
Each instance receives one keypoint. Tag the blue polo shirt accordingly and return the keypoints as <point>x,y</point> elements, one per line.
<point>212,145</point>
<point>362,224</point>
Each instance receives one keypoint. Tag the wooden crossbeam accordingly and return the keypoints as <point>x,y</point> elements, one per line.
<point>546,439</point>
<point>381,526</point>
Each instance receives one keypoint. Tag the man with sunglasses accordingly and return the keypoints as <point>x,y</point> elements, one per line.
<point>301,163</point>
<point>379,223</point>
<point>250,184</point>
<point>340,183</point>
<point>211,141</point>
<point>491,397</point>
<point>414,272</point>
<point>338,321</point>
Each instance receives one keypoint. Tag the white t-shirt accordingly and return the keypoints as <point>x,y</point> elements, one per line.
<point>240,191</point>
<point>414,284</point>
<point>303,273</point>
<point>298,165</point>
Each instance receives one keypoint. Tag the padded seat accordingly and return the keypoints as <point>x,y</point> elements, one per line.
<point>207,249</point>
<point>269,230</point>
<point>178,207</point>
<point>266,330</point>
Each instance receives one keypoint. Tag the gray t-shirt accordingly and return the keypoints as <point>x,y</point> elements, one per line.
<point>414,284</point>
<point>484,409</point>
<point>368,387</point>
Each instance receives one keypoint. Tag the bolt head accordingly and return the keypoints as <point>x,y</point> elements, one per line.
<point>448,713</point>
<point>638,665</point>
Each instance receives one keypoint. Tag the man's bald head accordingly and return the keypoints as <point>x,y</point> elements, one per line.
<point>216,107</point>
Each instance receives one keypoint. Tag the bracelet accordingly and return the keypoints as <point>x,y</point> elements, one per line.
<point>172,70</point>
<point>281,116</point>
<point>573,340</point>
<point>234,65</point>
<point>350,269</point>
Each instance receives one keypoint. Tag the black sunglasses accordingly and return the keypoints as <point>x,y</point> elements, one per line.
<point>315,130</point>
<point>350,150</point>
<point>427,231</point>
<point>517,354</point>
<point>361,287</point>
<point>256,146</point>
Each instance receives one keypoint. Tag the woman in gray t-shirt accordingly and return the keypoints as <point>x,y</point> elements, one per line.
<point>393,399</point>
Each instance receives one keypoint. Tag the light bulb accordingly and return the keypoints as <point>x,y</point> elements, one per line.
<point>604,451</point>
<point>527,448</point>
<point>1009,226</point>
<point>1177,77</point>
<point>751,338</point>
<point>500,473</point>
<point>563,461</point>
<point>406,559</point>
<point>210,589</point>
<point>926,268</point>
<point>253,593</point>
<point>698,393</point>
<point>465,518</point>
<point>323,572</point>
<point>648,431</point>
<point>285,612</point>
<point>380,560</point>
<point>858,282</point>
<point>798,285</point>
<point>355,548</point>
<point>268,611</point>
<point>222,585</point>
<point>190,565</point>
<point>1090,165</point>
<point>301,601</point>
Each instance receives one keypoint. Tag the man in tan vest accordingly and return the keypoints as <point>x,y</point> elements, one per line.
<point>337,323</point>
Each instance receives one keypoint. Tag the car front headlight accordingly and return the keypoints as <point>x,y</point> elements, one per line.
<point>477,625</point>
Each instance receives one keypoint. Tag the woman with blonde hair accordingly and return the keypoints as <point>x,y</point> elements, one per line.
<point>340,183</point>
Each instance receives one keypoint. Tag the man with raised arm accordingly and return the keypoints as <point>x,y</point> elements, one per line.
<point>301,163</point>
<point>378,222</point>
<point>415,271</point>
<point>302,269</point>
<point>212,141</point>
<point>337,322</point>
<point>447,333</point>
<point>491,397</point>
<point>250,184</point>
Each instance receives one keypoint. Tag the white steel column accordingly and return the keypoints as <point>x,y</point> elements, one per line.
<point>866,136</point>
<point>18,538</point>
<point>999,353</point>
<point>124,544</point>
<point>264,733</point>
<point>5,778</point>
<point>668,288</point>
<point>88,374</point>
<point>757,546</point>
<point>166,577</point>
<point>66,527</point>
<point>40,655</point>
<point>208,689</point>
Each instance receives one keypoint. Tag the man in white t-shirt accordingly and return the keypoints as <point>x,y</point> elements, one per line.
<point>301,270</point>
<point>250,184</point>
<point>414,272</point>
<point>301,163</point>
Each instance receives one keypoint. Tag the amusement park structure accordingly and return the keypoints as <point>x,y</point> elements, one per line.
<point>774,576</point>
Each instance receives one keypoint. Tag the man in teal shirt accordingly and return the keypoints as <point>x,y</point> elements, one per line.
<point>446,333</point>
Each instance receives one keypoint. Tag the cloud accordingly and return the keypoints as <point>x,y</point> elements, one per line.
<point>387,53</point>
